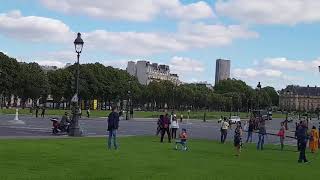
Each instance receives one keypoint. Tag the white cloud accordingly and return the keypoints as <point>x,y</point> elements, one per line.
<point>267,77</point>
<point>256,73</point>
<point>186,65</point>
<point>133,10</point>
<point>188,36</point>
<point>189,70</point>
<point>51,63</point>
<point>33,28</point>
<point>297,65</point>
<point>121,64</point>
<point>270,11</point>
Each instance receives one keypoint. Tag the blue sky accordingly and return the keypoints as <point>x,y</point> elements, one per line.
<point>275,42</point>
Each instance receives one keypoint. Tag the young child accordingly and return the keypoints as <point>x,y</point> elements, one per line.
<point>183,140</point>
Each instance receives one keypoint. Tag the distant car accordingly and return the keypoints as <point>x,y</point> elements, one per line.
<point>234,119</point>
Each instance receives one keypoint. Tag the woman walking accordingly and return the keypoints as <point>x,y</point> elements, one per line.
<point>238,138</point>
<point>165,123</point>
<point>314,140</point>
<point>281,135</point>
<point>174,127</point>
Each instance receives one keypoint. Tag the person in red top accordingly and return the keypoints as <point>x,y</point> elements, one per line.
<point>183,140</point>
<point>281,134</point>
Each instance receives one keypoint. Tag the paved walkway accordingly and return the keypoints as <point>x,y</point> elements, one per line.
<point>96,127</point>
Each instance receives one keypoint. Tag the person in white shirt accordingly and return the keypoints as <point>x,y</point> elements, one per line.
<point>224,130</point>
<point>174,126</point>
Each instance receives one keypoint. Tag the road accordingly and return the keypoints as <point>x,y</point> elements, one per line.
<point>41,127</point>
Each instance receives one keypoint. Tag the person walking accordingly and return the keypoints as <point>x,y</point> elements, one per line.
<point>37,111</point>
<point>181,117</point>
<point>159,124</point>
<point>80,112</point>
<point>165,124</point>
<point>224,130</point>
<point>314,140</point>
<point>88,113</point>
<point>250,131</point>
<point>174,127</point>
<point>302,135</point>
<point>281,135</point>
<point>238,138</point>
<point>262,133</point>
<point>113,125</point>
<point>43,111</point>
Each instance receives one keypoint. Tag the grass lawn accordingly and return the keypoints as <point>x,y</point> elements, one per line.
<point>140,114</point>
<point>146,158</point>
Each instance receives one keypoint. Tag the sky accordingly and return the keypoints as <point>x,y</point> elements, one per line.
<point>271,41</point>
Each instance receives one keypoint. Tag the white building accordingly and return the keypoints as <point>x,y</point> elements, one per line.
<point>146,72</point>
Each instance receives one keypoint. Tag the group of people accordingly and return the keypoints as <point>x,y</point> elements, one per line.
<point>302,134</point>
<point>168,124</point>
<point>238,133</point>
<point>37,109</point>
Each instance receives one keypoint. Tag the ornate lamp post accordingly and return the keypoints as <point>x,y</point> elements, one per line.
<point>258,98</point>
<point>75,129</point>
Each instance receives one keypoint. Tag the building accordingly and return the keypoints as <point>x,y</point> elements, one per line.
<point>203,84</point>
<point>298,98</point>
<point>47,68</point>
<point>222,70</point>
<point>147,72</point>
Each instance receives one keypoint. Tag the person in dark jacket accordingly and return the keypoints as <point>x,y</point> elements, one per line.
<point>165,124</point>
<point>250,131</point>
<point>43,111</point>
<point>302,136</point>
<point>262,133</point>
<point>37,111</point>
<point>113,125</point>
<point>159,124</point>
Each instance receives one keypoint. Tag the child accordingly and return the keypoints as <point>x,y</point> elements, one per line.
<point>183,140</point>
<point>281,135</point>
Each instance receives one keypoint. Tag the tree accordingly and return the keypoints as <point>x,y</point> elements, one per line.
<point>33,83</point>
<point>272,93</point>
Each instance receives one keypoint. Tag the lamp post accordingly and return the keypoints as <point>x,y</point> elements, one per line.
<point>258,95</point>
<point>75,129</point>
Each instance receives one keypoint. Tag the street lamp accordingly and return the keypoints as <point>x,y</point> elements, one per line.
<point>258,98</point>
<point>75,129</point>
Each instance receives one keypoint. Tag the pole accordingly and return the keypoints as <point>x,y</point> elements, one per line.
<point>75,129</point>
<point>78,74</point>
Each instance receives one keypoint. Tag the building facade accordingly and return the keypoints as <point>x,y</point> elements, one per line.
<point>222,70</point>
<point>298,98</point>
<point>147,72</point>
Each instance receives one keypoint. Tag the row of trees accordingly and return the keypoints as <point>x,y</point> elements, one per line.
<point>109,85</point>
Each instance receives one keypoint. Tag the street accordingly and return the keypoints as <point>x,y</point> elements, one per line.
<point>197,129</point>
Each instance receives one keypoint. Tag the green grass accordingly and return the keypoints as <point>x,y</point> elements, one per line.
<point>146,158</point>
<point>141,114</point>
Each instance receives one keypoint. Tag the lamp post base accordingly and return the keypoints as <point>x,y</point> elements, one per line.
<point>75,132</point>
<point>75,128</point>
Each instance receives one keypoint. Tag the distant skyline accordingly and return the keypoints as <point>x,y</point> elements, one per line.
<point>274,42</point>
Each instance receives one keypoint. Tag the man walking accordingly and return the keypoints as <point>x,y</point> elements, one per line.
<point>88,113</point>
<point>113,124</point>
<point>165,124</point>
<point>224,130</point>
<point>262,133</point>
<point>43,111</point>
<point>250,131</point>
<point>37,111</point>
<point>302,135</point>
